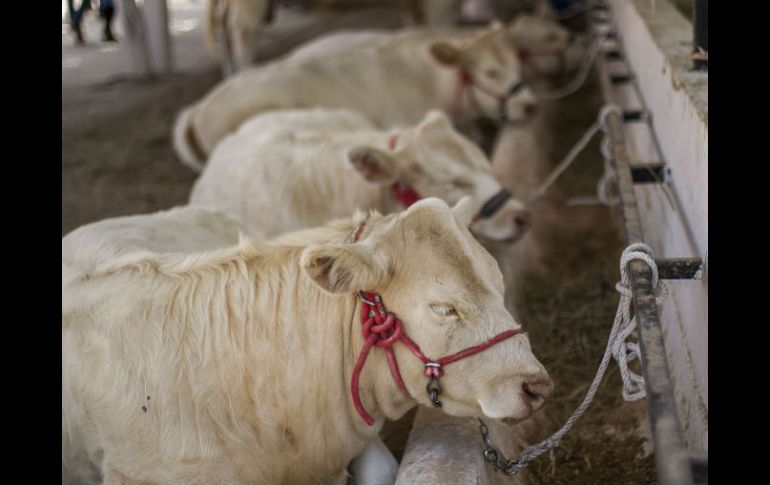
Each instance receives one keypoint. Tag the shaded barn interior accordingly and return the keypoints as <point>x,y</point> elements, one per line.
<point>117,159</point>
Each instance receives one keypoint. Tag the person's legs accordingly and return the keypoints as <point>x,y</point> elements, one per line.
<point>76,16</point>
<point>107,10</point>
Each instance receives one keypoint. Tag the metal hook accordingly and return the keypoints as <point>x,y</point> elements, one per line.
<point>434,389</point>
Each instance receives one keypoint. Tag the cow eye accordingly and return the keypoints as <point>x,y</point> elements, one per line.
<point>443,310</point>
<point>552,37</point>
<point>492,73</point>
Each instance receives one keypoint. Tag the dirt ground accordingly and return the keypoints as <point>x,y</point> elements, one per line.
<point>117,160</point>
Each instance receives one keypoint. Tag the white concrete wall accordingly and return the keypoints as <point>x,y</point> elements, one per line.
<point>657,40</point>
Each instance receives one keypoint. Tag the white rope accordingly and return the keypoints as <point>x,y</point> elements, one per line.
<point>621,350</point>
<point>609,175</point>
<point>580,79</point>
<point>600,123</point>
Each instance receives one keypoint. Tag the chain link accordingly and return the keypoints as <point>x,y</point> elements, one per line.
<point>494,457</point>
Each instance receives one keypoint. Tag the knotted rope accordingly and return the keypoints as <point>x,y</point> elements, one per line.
<point>599,124</point>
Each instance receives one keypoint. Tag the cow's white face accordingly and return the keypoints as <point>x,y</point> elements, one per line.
<point>437,161</point>
<point>448,292</point>
<point>493,63</point>
<point>545,46</point>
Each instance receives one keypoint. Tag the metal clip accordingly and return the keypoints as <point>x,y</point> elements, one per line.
<point>363,299</point>
<point>434,389</point>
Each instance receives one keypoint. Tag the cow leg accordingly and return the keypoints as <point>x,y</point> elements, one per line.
<point>246,22</point>
<point>441,13</point>
<point>375,465</point>
<point>246,46</point>
<point>221,21</point>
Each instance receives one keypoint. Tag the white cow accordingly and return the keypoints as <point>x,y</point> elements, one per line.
<point>233,27</point>
<point>287,170</point>
<point>390,85</point>
<point>235,365</point>
<point>543,44</point>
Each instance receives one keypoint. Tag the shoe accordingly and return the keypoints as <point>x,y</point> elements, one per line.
<point>108,37</point>
<point>79,40</point>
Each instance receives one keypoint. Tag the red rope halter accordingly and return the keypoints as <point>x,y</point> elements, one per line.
<point>407,196</point>
<point>381,328</point>
<point>466,81</point>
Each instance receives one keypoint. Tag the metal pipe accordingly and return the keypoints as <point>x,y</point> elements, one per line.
<point>701,43</point>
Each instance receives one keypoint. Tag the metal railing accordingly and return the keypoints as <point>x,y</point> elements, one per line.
<point>675,464</point>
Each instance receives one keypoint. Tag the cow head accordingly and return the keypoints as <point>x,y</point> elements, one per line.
<point>435,160</point>
<point>545,47</point>
<point>448,292</point>
<point>493,72</point>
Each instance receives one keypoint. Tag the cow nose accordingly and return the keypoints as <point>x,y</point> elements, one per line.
<point>536,390</point>
<point>522,220</point>
<point>530,109</point>
<point>572,37</point>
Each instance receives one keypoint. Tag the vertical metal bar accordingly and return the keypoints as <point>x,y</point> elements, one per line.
<point>701,26</point>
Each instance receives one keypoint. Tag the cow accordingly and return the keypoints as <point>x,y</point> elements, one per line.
<point>242,364</point>
<point>232,27</point>
<point>287,170</point>
<point>545,47</point>
<point>390,85</point>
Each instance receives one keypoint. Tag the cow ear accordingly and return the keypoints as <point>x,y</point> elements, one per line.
<point>464,211</point>
<point>445,53</point>
<point>374,165</point>
<point>518,26</point>
<point>343,268</point>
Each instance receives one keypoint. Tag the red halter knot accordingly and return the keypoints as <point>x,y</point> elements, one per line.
<point>385,329</point>
<point>433,369</point>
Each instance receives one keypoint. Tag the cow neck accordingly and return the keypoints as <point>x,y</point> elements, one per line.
<point>386,400</point>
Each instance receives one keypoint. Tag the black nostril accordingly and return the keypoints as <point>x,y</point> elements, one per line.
<point>530,109</point>
<point>523,219</point>
<point>530,392</point>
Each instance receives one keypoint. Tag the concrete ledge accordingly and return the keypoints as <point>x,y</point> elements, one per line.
<point>443,449</point>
